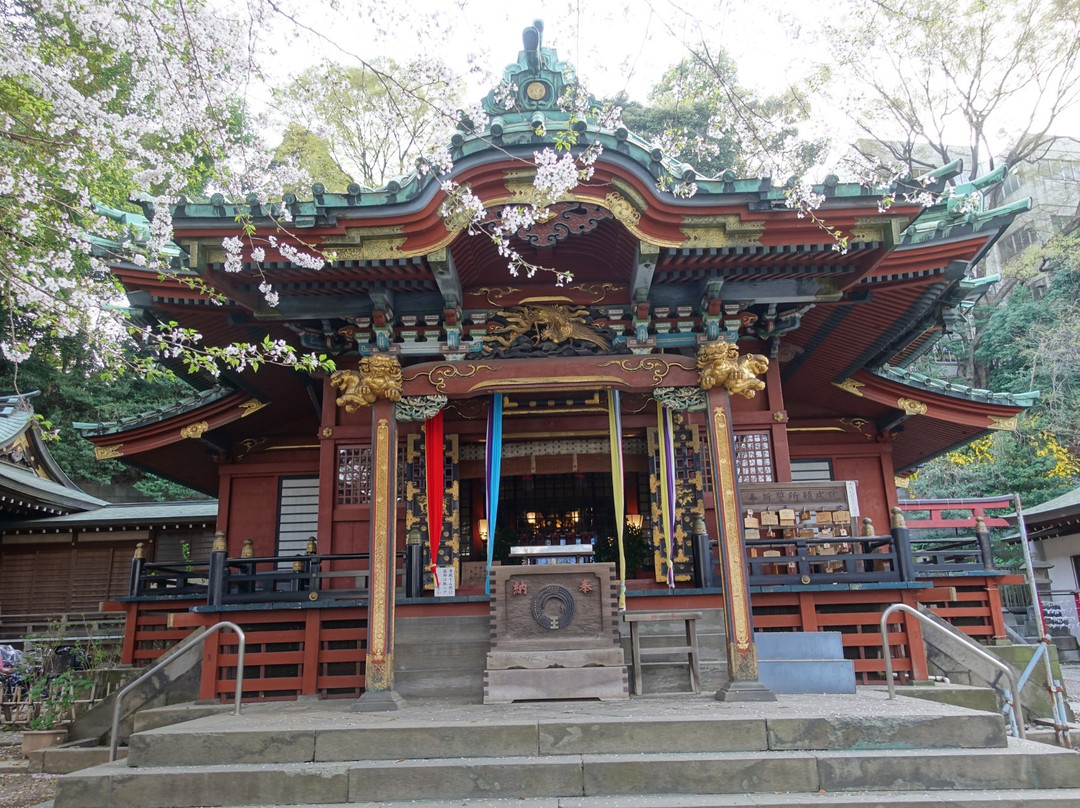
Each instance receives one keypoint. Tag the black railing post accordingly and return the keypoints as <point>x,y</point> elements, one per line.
<point>802,560</point>
<point>300,581</point>
<point>414,564</point>
<point>982,535</point>
<point>216,574</point>
<point>137,561</point>
<point>902,544</point>
<point>313,564</point>
<point>704,569</point>
<point>246,569</point>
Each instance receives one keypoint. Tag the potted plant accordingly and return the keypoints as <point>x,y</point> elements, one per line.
<point>635,549</point>
<point>52,676</point>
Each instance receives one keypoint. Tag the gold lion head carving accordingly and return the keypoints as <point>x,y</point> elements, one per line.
<point>378,377</point>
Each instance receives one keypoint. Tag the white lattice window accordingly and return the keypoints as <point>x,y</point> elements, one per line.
<point>354,475</point>
<point>753,457</point>
<point>298,514</point>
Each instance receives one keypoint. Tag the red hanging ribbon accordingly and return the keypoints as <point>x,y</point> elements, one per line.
<point>433,467</point>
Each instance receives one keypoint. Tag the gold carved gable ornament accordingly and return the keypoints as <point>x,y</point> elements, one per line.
<point>720,363</point>
<point>377,377</point>
<point>541,323</point>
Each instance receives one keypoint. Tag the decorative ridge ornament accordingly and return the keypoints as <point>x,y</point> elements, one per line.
<point>537,81</point>
<point>720,363</point>
<point>911,406</point>
<point>1007,424</point>
<point>378,376</point>
<point>195,430</point>
<point>851,386</point>
<point>252,405</point>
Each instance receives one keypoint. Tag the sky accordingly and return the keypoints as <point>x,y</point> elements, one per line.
<point>616,45</point>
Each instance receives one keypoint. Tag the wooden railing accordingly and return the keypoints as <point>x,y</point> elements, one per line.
<point>269,579</point>
<point>895,557</point>
<point>863,559</point>
<point>169,580</point>
<point>952,556</point>
<point>264,580</point>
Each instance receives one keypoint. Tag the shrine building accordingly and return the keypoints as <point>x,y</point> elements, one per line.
<point>719,390</point>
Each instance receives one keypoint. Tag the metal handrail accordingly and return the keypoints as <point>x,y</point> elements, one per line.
<point>183,646</point>
<point>1012,698</point>
<point>1053,686</point>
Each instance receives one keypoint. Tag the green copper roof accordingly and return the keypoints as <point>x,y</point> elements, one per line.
<point>15,414</point>
<point>42,494</point>
<point>24,487</point>
<point>180,407</point>
<point>524,114</point>
<point>136,228</point>
<point>932,385</point>
<point>960,211</point>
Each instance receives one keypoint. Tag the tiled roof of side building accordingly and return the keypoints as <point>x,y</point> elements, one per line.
<point>129,515</point>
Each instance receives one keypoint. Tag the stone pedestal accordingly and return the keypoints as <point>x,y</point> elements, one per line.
<point>554,634</point>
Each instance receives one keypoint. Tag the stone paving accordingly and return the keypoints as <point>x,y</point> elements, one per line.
<point>18,787</point>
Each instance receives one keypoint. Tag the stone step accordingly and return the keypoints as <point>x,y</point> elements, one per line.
<point>438,657</point>
<point>1048,798</point>
<point>235,738</point>
<point>1023,765</point>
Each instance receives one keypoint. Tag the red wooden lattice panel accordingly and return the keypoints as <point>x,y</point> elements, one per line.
<point>289,654</point>
<point>149,631</point>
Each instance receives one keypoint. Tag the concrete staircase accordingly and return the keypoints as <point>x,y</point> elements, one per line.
<point>652,751</point>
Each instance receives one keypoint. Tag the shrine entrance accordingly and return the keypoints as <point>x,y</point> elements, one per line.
<point>554,509</point>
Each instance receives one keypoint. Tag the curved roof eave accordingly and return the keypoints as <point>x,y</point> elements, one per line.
<point>38,493</point>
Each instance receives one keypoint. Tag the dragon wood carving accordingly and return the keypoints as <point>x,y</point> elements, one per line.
<point>555,324</point>
<point>720,363</point>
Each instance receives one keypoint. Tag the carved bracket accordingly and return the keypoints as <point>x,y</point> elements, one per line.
<point>378,376</point>
<point>720,363</point>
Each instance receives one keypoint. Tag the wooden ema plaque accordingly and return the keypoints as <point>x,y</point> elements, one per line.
<point>554,634</point>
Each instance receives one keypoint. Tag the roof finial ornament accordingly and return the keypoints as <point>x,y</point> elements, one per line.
<point>533,39</point>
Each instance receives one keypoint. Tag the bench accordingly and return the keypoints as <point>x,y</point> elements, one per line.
<point>689,619</point>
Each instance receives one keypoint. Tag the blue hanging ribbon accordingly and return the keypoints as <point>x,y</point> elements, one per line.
<point>494,472</point>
